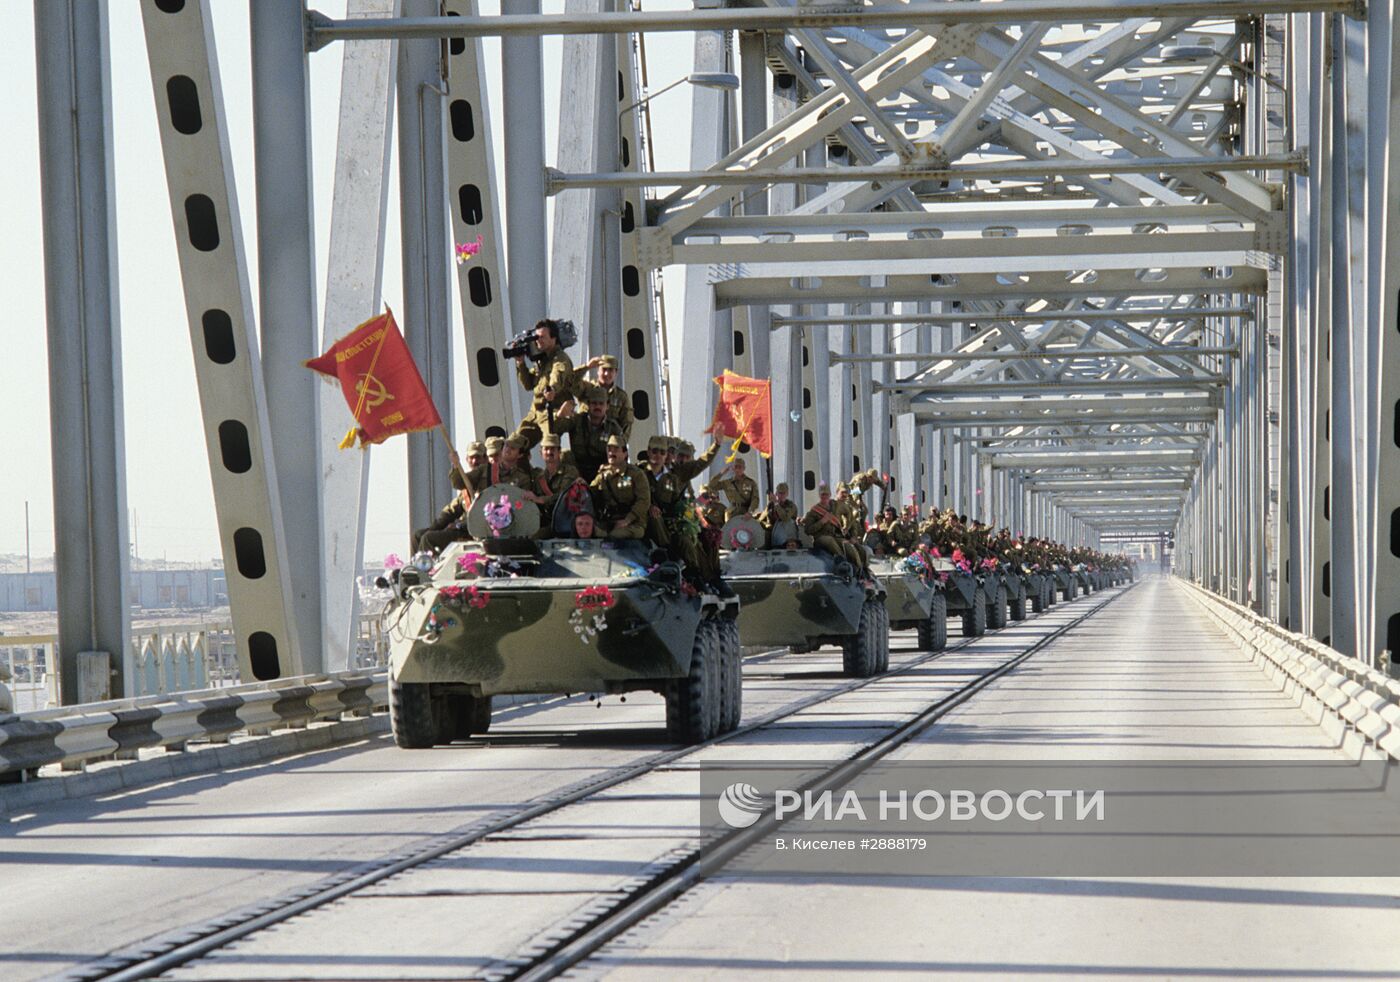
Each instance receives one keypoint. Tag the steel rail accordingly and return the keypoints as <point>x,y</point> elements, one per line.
<point>155,956</point>
<point>711,856</point>
<point>978,317</point>
<point>321,30</point>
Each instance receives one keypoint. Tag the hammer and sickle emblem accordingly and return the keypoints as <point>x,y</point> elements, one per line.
<point>372,391</point>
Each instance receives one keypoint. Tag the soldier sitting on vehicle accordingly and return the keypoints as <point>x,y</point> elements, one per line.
<point>823,524</point>
<point>667,525</point>
<point>621,494</point>
<point>780,509</point>
<point>476,456</point>
<point>552,479</point>
<point>503,466</point>
<point>742,491</point>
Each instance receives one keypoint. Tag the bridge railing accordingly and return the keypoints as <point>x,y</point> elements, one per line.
<point>1355,703</point>
<point>165,658</point>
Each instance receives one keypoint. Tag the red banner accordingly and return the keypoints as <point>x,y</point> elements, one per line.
<point>381,384</point>
<point>745,411</point>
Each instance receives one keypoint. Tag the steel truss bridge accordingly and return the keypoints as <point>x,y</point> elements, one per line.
<point>1093,270</point>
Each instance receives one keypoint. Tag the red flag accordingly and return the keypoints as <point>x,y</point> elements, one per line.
<point>380,382</point>
<point>745,411</point>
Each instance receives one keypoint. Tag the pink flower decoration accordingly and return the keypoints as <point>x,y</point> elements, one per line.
<point>392,562</point>
<point>450,592</point>
<point>466,251</point>
<point>477,597</point>
<point>469,562</point>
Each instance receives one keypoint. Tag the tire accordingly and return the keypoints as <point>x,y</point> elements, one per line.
<point>974,620</point>
<point>1018,605</point>
<point>933,630</point>
<point>997,614</point>
<point>692,711</point>
<point>884,636</point>
<point>860,653</point>
<point>1038,601</point>
<point>411,715</point>
<point>731,703</point>
<point>471,715</point>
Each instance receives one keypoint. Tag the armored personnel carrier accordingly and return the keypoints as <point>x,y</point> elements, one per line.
<point>914,596</point>
<point>803,598</point>
<point>513,613</point>
<point>966,597</point>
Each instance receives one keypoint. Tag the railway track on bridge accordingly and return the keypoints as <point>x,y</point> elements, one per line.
<point>560,947</point>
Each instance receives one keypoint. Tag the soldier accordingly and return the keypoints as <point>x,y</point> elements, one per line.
<point>780,509</point>
<point>476,456</point>
<point>619,402</point>
<point>709,510</point>
<point>824,526</point>
<point>859,484</point>
<point>502,467</point>
<point>450,526</point>
<point>622,494</point>
<point>550,380</point>
<point>852,525</point>
<point>741,491</point>
<point>589,433</point>
<point>667,525</point>
<point>551,480</point>
<point>688,469</point>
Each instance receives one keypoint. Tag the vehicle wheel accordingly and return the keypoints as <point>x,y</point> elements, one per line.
<point>411,715</point>
<point>933,630</point>
<point>860,653</point>
<point>1038,601</point>
<point>691,702</point>
<point>974,620</point>
<point>996,615</point>
<point>731,705</point>
<point>1018,603</point>
<point>470,715</point>
<point>884,636</point>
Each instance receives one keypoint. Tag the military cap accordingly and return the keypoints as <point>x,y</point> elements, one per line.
<point>673,444</point>
<point>842,486</point>
<point>518,442</point>
<point>609,361</point>
<point>476,448</point>
<point>782,488</point>
<point>658,443</point>
<point>550,440</point>
<point>685,447</point>
<point>617,441</point>
<point>823,486</point>
<point>595,393</point>
<point>494,444</point>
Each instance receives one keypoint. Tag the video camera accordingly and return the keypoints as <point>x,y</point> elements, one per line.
<point>524,342</point>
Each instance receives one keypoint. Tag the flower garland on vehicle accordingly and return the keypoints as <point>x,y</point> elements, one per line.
<point>500,514</point>
<point>589,617</point>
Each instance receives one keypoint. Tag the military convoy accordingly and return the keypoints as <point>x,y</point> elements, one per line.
<point>512,612</point>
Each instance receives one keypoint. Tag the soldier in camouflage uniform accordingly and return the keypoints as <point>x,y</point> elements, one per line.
<point>589,434</point>
<point>780,509</point>
<point>619,402</point>
<point>550,379</point>
<point>741,490</point>
<point>551,480</point>
<point>621,494</point>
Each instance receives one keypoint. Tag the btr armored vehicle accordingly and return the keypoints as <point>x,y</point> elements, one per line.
<point>803,598</point>
<point>915,597</point>
<point>512,613</point>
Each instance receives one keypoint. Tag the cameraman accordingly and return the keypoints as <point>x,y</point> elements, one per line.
<point>551,380</point>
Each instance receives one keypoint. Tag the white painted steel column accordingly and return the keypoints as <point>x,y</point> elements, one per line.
<point>87,442</point>
<point>522,91</point>
<point>427,308</point>
<point>354,276</point>
<point>287,300</point>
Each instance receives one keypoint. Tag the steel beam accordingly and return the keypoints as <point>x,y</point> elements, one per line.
<point>522,86</point>
<point>218,301</point>
<point>287,300</point>
<point>354,278</point>
<point>87,439</point>
<point>976,318</point>
<point>322,30</point>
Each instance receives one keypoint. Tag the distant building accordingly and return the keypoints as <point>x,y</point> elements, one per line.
<point>154,589</point>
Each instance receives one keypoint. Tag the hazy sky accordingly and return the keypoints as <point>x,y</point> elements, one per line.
<point>168,487</point>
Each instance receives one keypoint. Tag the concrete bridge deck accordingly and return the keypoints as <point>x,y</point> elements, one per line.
<point>1147,677</point>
